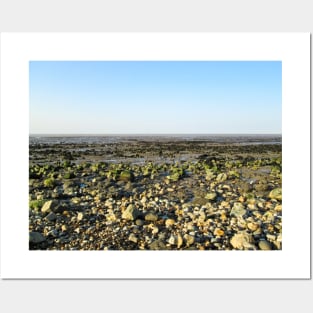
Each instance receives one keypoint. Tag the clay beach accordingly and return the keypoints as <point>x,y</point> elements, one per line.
<point>186,192</point>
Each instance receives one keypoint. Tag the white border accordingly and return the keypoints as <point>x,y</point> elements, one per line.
<point>17,49</point>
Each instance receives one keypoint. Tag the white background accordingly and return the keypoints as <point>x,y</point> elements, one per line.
<point>153,295</point>
<point>291,49</point>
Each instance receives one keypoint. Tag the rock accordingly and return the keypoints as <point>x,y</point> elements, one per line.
<point>265,245</point>
<point>51,217</point>
<point>211,196</point>
<point>252,226</point>
<point>189,239</point>
<point>276,194</point>
<point>172,240</point>
<point>139,222</point>
<point>64,228</point>
<point>132,238</point>
<point>221,177</point>
<point>238,209</point>
<point>49,206</point>
<point>218,232</point>
<point>126,176</point>
<point>278,208</point>
<point>131,213</point>
<point>179,241</point>
<point>151,217</point>
<point>157,245</point>
<point>242,241</point>
<point>169,222</point>
<point>80,216</point>
<point>36,237</point>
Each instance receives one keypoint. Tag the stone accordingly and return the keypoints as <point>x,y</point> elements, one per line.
<point>276,194</point>
<point>64,228</point>
<point>169,222</point>
<point>189,239</point>
<point>151,217</point>
<point>132,238</point>
<point>265,245</point>
<point>36,237</point>
<point>49,206</point>
<point>51,217</point>
<point>139,222</point>
<point>242,241</point>
<point>252,226</point>
<point>157,245</point>
<point>131,213</point>
<point>126,176</point>
<point>238,209</point>
<point>80,216</point>
<point>218,232</point>
<point>179,241</point>
<point>278,208</point>
<point>172,240</point>
<point>211,196</point>
<point>221,177</point>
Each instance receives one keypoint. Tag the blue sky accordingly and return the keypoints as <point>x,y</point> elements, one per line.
<point>155,97</point>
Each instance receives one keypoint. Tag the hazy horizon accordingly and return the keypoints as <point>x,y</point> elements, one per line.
<point>155,97</point>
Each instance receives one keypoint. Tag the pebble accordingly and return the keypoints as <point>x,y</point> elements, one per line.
<point>218,232</point>
<point>151,217</point>
<point>131,213</point>
<point>51,217</point>
<point>132,238</point>
<point>49,206</point>
<point>265,245</point>
<point>169,222</point>
<point>238,209</point>
<point>36,237</point>
<point>80,216</point>
<point>242,241</point>
<point>189,239</point>
<point>276,194</point>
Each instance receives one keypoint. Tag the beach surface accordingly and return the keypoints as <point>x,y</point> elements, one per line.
<point>155,192</point>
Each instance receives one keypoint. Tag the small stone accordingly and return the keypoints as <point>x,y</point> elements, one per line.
<point>36,237</point>
<point>242,241</point>
<point>252,226</point>
<point>179,241</point>
<point>143,200</point>
<point>238,209</point>
<point>157,245</point>
<point>64,228</point>
<point>172,240</point>
<point>51,217</point>
<point>49,206</point>
<point>131,213</point>
<point>271,237</point>
<point>276,194</point>
<point>151,217</point>
<point>139,222</point>
<point>221,177</point>
<point>80,216</point>
<point>189,239</point>
<point>211,196</point>
<point>278,208</point>
<point>218,232</point>
<point>169,222</point>
<point>133,238</point>
<point>265,245</point>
